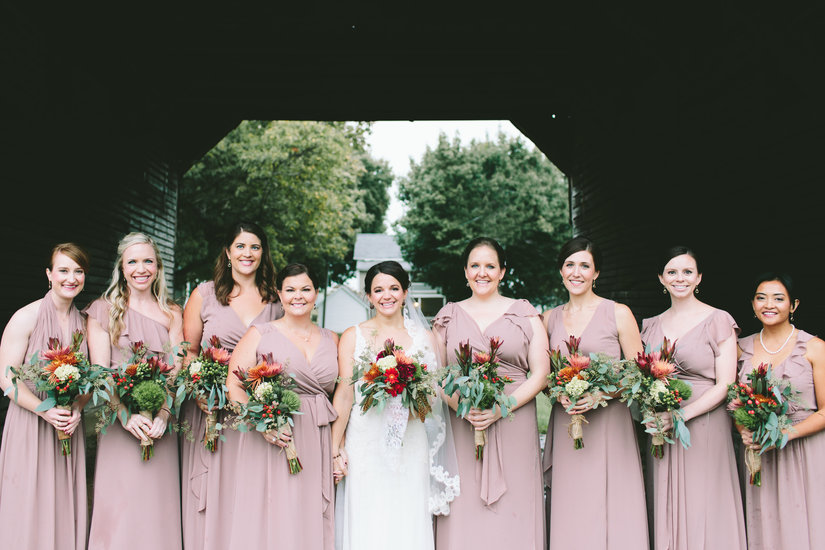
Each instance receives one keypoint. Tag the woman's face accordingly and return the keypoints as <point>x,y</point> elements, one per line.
<point>245,253</point>
<point>66,276</point>
<point>483,271</point>
<point>578,273</point>
<point>681,276</point>
<point>386,294</point>
<point>298,295</point>
<point>771,303</point>
<point>140,266</point>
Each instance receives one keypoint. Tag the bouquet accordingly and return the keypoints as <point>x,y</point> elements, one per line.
<point>391,374</point>
<point>576,375</point>
<point>64,374</point>
<point>475,377</point>
<point>654,387</point>
<point>761,406</point>
<point>272,403</point>
<point>142,387</point>
<point>205,378</point>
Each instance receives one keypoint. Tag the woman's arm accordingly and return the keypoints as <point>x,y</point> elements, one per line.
<point>816,422</point>
<point>629,338</point>
<point>440,348</point>
<point>343,399</point>
<point>193,324</point>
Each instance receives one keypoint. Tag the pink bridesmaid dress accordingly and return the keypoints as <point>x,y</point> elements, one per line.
<point>501,503</point>
<point>42,493</point>
<point>264,506</point>
<point>200,468</point>
<point>136,502</point>
<point>788,510</point>
<point>597,495</point>
<point>697,503</point>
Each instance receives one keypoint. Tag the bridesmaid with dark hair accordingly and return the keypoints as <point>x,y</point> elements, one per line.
<point>501,503</point>
<point>697,502</point>
<point>241,293</point>
<point>43,493</point>
<point>605,477</point>
<point>269,506</point>
<point>787,511</point>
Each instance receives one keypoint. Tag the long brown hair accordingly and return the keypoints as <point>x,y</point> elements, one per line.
<point>264,276</point>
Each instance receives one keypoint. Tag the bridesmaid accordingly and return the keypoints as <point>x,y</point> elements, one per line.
<point>270,506</point>
<point>787,511</point>
<point>501,503</point>
<point>697,501</point>
<point>136,502</point>
<point>42,493</point>
<point>605,477</point>
<point>242,292</point>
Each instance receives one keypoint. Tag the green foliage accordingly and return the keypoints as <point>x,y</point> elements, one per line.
<point>149,396</point>
<point>500,189</point>
<point>290,401</point>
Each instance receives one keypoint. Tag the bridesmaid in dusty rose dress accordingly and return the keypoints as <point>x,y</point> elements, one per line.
<point>136,502</point>
<point>787,511</point>
<point>242,293</point>
<point>42,493</point>
<point>501,503</point>
<point>605,477</point>
<point>697,502</point>
<point>270,507</point>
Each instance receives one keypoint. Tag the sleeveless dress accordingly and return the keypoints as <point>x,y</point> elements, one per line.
<point>501,503</point>
<point>200,468</point>
<point>263,505</point>
<point>788,510</point>
<point>42,493</point>
<point>596,494</point>
<point>136,502</point>
<point>697,503</point>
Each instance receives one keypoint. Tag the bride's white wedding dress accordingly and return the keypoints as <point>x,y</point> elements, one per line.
<point>401,471</point>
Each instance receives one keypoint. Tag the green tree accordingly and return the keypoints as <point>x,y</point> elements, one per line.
<point>500,189</point>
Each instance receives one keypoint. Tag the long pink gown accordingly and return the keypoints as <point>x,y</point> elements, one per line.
<point>697,503</point>
<point>501,503</point>
<point>788,510</point>
<point>597,494</point>
<point>42,493</point>
<point>136,502</point>
<point>263,505</point>
<point>200,468</point>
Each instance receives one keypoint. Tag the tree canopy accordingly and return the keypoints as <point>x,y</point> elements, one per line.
<point>501,189</point>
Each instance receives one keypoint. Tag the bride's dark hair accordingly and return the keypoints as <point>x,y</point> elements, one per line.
<point>389,267</point>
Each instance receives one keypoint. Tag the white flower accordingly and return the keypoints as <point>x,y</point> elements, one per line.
<point>195,367</point>
<point>657,389</point>
<point>66,372</point>
<point>261,392</point>
<point>387,362</point>
<point>576,387</point>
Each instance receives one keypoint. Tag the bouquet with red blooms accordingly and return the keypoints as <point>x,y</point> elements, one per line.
<point>63,374</point>
<point>577,374</point>
<point>205,378</point>
<point>761,406</point>
<point>479,385</point>
<point>272,403</point>
<point>654,387</point>
<point>392,374</point>
<point>143,387</point>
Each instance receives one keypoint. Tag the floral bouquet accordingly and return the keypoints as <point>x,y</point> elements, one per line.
<point>64,374</point>
<point>205,378</point>
<point>391,374</point>
<point>576,375</point>
<point>142,386</point>
<point>272,403</point>
<point>475,377</point>
<point>654,387</point>
<point>761,406</point>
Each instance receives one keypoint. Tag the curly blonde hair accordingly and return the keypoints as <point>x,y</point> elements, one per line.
<point>117,295</point>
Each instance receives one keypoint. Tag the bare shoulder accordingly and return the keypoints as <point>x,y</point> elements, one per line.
<point>23,320</point>
<point>623,312</point>
<point>816,348</point>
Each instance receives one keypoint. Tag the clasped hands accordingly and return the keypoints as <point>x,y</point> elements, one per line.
<point>587,401</point>
<point>144,428</point>
<point>62,419</point>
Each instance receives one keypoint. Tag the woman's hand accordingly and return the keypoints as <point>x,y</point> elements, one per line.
<point>137,425</point>
<point>277,438</point>
<point>339,465</point>
<point>158,427</point>
<point>203,405</point>
<point>74,421</point>
<point>665,422</point>
<point>481,419</point>
<point>589,400</point>
<point>59,418</point>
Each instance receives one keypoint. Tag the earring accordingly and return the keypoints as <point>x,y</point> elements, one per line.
<point>664,290</point>
<point>372,306</point>
<point>50,285</point>
<point>792,317</point>
<point>593,286</point>
<point>228,264</point>
<point>696,290</point>
<point>468,283</point>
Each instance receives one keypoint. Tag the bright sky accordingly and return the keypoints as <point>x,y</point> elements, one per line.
<point>400,141</point>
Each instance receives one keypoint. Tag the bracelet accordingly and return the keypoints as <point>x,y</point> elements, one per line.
<point>336,456</point>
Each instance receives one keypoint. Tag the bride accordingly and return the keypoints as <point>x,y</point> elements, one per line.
<point>393,471</point>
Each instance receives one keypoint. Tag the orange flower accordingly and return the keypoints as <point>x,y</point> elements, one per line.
<point>218,355</point>
<point>567,374</point>
<point>579,362</point>
<point>371,374</point>
<point>401,358</point>
<point>762,398</point>
<point>661,368</point>
<point>256,374</point>
<point>481,357</point>
<point>131,370</point>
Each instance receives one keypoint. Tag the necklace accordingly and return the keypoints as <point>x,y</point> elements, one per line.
<point>304,338</point>
<point>780,347</point>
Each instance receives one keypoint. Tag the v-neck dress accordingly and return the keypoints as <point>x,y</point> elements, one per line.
<point>697,503</point>
<point>42,493</point>
<point>200,468</point>
<point>265,506</point>
<point>605,477</point>
<point>788,510</point>
<point>501,503</point>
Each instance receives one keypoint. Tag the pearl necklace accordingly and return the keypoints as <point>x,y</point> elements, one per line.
<point>780,347</point>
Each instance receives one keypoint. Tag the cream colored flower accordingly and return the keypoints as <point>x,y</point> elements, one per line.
<point>261,392</point>
<point>576,387</point>
<point>657,389</point>
<point>66,372</point>
<point>387,362</point>
<point>195,367</point>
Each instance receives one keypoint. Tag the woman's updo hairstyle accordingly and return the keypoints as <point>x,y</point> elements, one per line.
<point>485,241</point>
<point>292,270</point>
<point>389,267</point>
<point>783,278</point>
<point>674,251</point>
<point>579,244</point>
